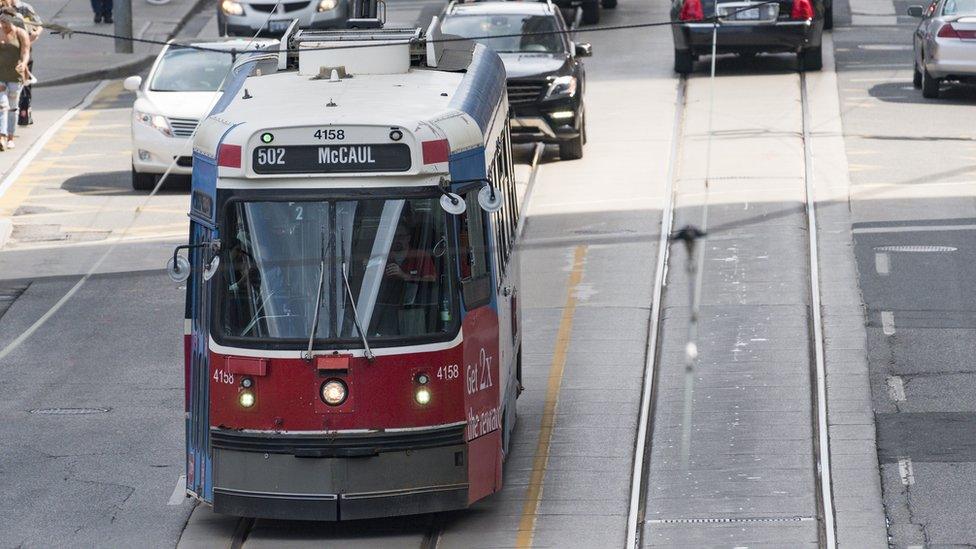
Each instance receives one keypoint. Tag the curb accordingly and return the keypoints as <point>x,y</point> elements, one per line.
<point>130,67</point>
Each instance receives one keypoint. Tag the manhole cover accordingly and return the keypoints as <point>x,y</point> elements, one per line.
<point>68,411</point>
<point>915,249</point>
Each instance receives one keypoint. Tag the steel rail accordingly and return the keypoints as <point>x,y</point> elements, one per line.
<point>642,444</point>
<point>822,439</point>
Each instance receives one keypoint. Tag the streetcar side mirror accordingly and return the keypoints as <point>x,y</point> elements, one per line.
<point>489,200</point>
<point>453,203</point>
<point>915,11</point>
<point>178,266</point>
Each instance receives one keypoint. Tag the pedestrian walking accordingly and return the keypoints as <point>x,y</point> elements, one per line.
<point>34,28</point>
<point>14,52</point>
<point>103,10</point>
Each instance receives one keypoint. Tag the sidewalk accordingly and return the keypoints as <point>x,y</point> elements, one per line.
<point>59,61</point>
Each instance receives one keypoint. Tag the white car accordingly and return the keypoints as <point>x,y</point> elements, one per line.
<point>271,17</point>
<point>944,44</point>
<point>181,89</point>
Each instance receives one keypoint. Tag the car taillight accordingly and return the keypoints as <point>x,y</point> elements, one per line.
<point>691,10</point>
<point>802,9</point>
<point>948,31</point>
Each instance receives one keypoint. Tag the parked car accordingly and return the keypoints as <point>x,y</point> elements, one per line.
<point>944,44</point>
<point>247,17</point>
<point>748,28</point>
<point>180,89</point>
<point>546,77</point>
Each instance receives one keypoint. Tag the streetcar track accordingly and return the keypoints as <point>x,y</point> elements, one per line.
<point>821,445</point>
<point>642,444</point>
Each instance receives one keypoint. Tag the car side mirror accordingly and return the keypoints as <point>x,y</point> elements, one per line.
<point>584,50</point>
<point>915,11</point>
<point>132,83</point>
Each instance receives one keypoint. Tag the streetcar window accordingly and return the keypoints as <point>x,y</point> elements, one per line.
<point>473,253</point>
<point>285,260</point>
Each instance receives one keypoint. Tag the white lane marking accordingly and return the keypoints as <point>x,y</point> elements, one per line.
<point>41,142</point>
<point>888,323</point>
<point>179,492</point>
<point>913,229</point>
<point>896,388</point>
<point>906,471</point>
<point>882,263</point>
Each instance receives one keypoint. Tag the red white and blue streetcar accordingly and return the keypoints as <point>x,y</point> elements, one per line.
<point>352,328</point>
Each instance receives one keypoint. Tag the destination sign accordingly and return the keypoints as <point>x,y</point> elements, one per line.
<point>385,157</point>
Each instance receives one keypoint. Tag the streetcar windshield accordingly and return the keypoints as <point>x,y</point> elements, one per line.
<point>281,259</point>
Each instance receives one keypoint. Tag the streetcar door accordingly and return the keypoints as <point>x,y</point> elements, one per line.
<point>198,465</point>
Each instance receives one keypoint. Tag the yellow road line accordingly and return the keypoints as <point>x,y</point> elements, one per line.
<point>530,509</point>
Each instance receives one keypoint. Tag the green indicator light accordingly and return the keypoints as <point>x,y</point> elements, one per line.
<point>267,137</point>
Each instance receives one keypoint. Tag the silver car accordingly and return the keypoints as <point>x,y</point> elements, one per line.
<point>271,17</point>
<point>945,44</point>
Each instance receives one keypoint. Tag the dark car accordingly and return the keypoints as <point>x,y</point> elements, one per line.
<point>748,28</point>
<point>546,80</point>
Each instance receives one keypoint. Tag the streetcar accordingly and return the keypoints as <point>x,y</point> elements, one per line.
<point>352,331</point>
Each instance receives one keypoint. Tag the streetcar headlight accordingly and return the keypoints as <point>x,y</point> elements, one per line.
<point>327,5</point>
<point>231,7</point>
<point>563,86</point>
<point>334,392</point>
<point>157,121</point>
<point>422,395</point>
<point>246,398</point>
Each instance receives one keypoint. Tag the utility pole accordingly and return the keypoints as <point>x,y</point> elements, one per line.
<point>123,25</point>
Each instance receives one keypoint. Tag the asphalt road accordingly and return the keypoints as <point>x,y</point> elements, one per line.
<point>91,403</point>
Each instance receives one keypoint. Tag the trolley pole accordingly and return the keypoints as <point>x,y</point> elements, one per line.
<point>123,25</point>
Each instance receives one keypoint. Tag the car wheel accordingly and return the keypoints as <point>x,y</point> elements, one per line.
<point>930,85</point>
<point>829,17</point>
<point>608,4</point>
<point>917,77</point>
<point>572,149</point>
<point>591,13</point>
<point>684,62</point>
<point>143,181</point>
<point>811,59</point>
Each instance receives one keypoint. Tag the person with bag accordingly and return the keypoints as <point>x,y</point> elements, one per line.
<point>14,52</point>
<point>34,28</point>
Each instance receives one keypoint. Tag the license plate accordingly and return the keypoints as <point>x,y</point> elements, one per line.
<point>747,15</point>
<point>278,26</point>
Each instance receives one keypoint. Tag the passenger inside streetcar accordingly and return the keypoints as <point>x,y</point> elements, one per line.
<point>409,288</point>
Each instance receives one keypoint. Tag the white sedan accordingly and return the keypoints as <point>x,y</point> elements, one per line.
<point>945,44</point>
<point>181,88</point>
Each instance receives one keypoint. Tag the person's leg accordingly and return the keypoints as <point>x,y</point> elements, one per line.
<point>13,99</point>
<point>24,117</point>
<point>97,8</point>
<point>4,108</point>
<point>107,10</point>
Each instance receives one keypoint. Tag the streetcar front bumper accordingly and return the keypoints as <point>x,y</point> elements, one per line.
<point>308,478</point>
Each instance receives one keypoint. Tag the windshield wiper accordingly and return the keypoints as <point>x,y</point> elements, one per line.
<point>355,311</point>
<point>318,296</point>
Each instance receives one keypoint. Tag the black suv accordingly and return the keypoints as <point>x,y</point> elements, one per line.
<point>546,79</point>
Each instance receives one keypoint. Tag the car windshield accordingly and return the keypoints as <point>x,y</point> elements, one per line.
<point>395,257</point>
<point>508,28</point>
<point>188,70</point>
<point>956,7</point>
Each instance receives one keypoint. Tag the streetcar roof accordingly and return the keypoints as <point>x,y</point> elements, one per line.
<point>287,98</point>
